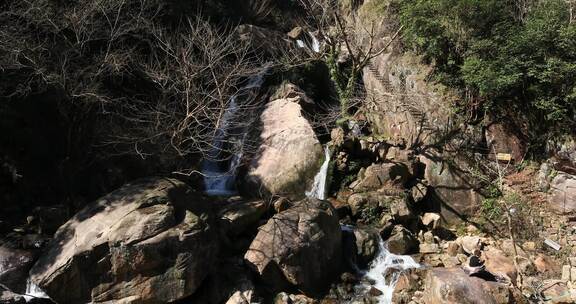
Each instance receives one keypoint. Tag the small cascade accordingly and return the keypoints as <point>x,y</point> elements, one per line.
<point>319,187</point>
<point>220,172</point>
<point>385,270</point>
<point>34,292</point>
<point>315,43</point>
<point>312,44</point>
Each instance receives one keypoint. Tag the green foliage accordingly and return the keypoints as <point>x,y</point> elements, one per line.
<point>520,66</point>
<point>491,208</point>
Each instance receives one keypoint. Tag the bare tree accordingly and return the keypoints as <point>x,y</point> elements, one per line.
<point>157,87</point>
<point>349,38</point>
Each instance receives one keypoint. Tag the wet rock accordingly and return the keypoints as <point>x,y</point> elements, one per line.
<point>366,245</point>
<point>402,241</point>
<point>14,267</point>
<point>407,284</point>
<point>137,244</point>
<point>454,286</point>
<point>289,155</point>
<point>284,247</point>
<point>562,198</point>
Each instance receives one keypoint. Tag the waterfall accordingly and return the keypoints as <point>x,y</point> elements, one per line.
<point>219,172</point>
<point>385,270</point>
<point>313,44</point>
<point>33,292</point>
<point>319,187</point>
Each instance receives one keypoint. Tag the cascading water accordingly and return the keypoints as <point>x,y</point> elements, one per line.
<point>314,43</point>
<point>33,292</point>
<point>220,173</point>
<point>385,270</point>
<point>319,187</point>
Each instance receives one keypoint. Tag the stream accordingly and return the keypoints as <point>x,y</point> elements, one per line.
<point>219,171</point>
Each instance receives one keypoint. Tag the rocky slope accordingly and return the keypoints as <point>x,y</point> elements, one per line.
<point>411,210</point>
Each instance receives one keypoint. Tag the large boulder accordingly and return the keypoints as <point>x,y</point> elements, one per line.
<point>301,247</point>
<point>238,216</point>
<point>454,286</point>
<point>148,242</point>
<point>8,297</point>
<point>377,176</point>
<point>14,267</point>
<point>289,154</point>
<point>402,241</point>
<point>562,198</point>
<point>454,192</point>
<point>499,264</point>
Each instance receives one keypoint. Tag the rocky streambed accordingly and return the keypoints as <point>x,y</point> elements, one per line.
<point>355,218</point>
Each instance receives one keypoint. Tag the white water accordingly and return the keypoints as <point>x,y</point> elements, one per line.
<point>33,292</point>
<point>220,174</point>
<point>314,43</point>
<point>319,187</point>
<point>386,269</point>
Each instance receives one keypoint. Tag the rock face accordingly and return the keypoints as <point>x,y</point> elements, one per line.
<point>453,286</point>
<point>14,267</point>
<point>402,241</point>
<point>499,264</point>
<point>502,139</point>
<point>563,193</point>
<point>366,245</point>
<point>237,217</point>
<point>147,242</point>
<point>377,176</point>
<point>454,189</point>
<point>301,246</point>
<point>8,297</point>
<point>289,155</point>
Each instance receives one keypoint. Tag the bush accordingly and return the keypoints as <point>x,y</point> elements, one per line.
<point>521,66</point>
